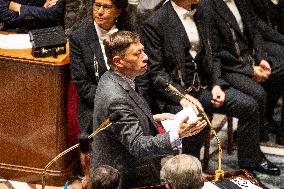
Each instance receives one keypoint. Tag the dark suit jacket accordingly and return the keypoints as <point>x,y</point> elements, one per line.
<point>270,21</point>
<point>84,46</point>
<point>270,13</point>
<point>281,16</point>
<point>167,46</point>
<point>229,38</point>
<point>132,142</point>
<point>32,15</point>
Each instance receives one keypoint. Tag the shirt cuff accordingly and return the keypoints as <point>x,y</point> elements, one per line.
<point>176,142</point>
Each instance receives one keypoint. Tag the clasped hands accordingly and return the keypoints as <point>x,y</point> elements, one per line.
<point>261,72</point>
<point>185,129</point>
<point>15,7</point>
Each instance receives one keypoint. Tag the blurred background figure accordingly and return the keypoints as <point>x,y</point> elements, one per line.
<point>182,172</point>
<point>22,16</point>
<point>105,177</point>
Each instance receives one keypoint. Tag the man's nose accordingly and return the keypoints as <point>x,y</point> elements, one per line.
<point>145,57</point>
<point>101,10</point>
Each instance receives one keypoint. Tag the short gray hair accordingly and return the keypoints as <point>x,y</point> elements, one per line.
<point>105,177</point>
<point>182,172</point>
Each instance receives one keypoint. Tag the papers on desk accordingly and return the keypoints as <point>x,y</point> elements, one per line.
<point>242,183</point>
<point>209,185</point>
<point>179,117</point>
<point>15,41</point>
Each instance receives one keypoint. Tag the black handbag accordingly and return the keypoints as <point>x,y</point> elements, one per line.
<point>48,42</point>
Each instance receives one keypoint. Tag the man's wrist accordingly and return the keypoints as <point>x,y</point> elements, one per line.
<point>175,139</point>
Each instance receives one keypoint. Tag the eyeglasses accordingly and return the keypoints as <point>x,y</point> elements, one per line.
<point>105,7</point>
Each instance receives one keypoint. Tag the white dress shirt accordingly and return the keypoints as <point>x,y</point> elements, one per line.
<point>187,20</point>
<point>275,2</point>
<point>233,7</point>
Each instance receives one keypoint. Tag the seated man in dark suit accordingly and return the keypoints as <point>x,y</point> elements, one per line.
<point>270,11</point>
<point>23,15</point>
<point>180,49</point>
<point>132,144</point>
<point>241,62</point>
<point>270,15</point>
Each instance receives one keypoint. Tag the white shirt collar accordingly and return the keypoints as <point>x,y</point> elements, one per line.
<point>179,10</point>
<point>102,32</point>
<point>275,2</point>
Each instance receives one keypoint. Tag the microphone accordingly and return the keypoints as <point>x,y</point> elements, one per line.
<point>161,81</point>
<point>114,117</point>
<point>219,173</point>
<point>84,142</point>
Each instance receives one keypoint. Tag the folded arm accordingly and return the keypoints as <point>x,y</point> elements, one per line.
<point>52,11</point>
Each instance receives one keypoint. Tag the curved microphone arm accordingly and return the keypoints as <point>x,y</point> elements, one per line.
<point>219,173</point>
<point>103,126</point>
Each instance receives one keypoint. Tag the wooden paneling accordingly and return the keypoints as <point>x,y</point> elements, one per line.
<point>33,107</point>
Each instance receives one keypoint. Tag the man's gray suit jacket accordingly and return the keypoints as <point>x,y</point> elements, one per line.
<point>132,144</point>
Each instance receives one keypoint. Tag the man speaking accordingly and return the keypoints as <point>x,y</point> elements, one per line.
<point>132,144</point>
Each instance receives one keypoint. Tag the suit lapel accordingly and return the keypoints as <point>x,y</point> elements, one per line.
<point>244,12</point>
<point>173,29</point>
<point>94,44</point>
<point>139,101</point>
<point>223,10</point>
<point>202,28</point>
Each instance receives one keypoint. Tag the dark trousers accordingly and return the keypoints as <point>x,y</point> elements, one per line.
<point>251,88</point>
<point>241,106</point>
<point>274,86</point>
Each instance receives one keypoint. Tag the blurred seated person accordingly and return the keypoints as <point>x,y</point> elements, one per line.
<point>22,16</point>
<point>105,177</point>
<point>271,12</point>
<point>186,61</point>
<point>271,26</point>
<point>87,55</point>
<point>182,172</point>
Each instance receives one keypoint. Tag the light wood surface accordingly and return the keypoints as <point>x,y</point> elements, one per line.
<point>33,122</point>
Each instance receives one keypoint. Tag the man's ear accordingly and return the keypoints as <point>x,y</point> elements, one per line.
<point>117,61</point>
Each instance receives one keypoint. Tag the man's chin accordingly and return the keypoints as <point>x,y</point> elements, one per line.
<point>142,72</point>
<point>99,21</point>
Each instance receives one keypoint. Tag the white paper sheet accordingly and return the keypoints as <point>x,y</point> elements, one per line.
<point>15,41</point>
<point>179,117</point>
<point>209,185</point>
<point>244,184</point>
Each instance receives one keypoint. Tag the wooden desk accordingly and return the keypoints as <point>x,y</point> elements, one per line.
<point>33,105</point>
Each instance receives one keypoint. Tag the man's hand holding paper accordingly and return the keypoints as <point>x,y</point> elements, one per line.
<point>186,123</point>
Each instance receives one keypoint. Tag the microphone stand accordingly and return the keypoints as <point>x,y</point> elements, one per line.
<point>219,173</point>
<point>103,126</point>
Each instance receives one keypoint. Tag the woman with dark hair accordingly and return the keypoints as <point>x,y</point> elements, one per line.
<point>87,55</point>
